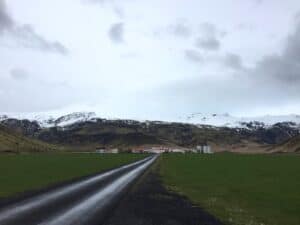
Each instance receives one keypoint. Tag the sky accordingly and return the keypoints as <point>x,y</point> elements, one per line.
<point>158,59</point>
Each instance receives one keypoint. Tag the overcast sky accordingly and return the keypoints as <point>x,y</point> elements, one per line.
<point>158,59</point>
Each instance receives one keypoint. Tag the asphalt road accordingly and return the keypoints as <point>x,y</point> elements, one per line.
<point>85,202</point>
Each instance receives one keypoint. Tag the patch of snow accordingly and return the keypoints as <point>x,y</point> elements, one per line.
<point>47,121</point>
<point>53,119</point>
<point>226,120</point>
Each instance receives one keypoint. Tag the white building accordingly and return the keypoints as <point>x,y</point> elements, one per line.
<point>205,149</point>
<point>102,151</point>
<point>114,150</point>
<point>176,150</point>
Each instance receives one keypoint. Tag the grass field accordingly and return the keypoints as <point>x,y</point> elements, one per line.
<point>238,189</point>
<point>19,173</point>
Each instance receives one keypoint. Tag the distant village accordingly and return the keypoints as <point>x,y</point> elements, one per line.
<point>201,149</point>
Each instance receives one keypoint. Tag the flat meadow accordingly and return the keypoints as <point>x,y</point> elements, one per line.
<point>26,172</point>
<point>238,189</point>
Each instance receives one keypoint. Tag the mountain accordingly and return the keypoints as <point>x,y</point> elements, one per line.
<point>86,131</point>
<point>13,142</point>
<point>45,121</point>
<point>292,146</point>
<point>200,119</point>
<point>226,120</point>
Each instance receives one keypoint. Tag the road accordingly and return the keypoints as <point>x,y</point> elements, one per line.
<point>85,202</point>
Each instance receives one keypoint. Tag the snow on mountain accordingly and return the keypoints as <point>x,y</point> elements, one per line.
<point>226,120</point>
<point>47,120</point>
<point>74,118</point>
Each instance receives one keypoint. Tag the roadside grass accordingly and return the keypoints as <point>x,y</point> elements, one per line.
<point>238,189</point>
<point>24,172</point>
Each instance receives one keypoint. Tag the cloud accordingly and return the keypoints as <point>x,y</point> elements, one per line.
<point>210,30</point>
<point>25,35</point>
<point>283,68</point>
<point>19,74</point>
<point>274,69</point>
<point>180,29</point>
<point>119,12</point>
<point>6,21</point>
<point>116,33</point>
<point>209,37</point>
<point>193,55</point>
<point>208,43</point>
<point>233,61</point>
<point>272,82</point>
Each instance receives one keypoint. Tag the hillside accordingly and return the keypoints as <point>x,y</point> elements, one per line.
<point>86,132</point>
<point>12,142</point>
<point>292,146</point>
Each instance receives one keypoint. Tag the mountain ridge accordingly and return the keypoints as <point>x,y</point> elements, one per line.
<point>200,119</point>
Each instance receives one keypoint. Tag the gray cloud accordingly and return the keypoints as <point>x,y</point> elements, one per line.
<point>19,74</point>
<point>6,21</point>
<point>209,37</point>
<point>273,81</point>
<point>116,33</point>
<point>208,43</point>
<point>233,61</point>
<point>179,29</point>
<point>25,35</point>
<point>274,69</point>
<point>193,55</point>
<point>210,30</point>
<point>284,67</point>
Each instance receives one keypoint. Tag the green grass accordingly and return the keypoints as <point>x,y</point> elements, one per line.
<point>19,173</point>
<point>238,189</point>
<point>13,142</point>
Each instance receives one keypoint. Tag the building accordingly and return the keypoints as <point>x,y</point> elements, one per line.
<point>100,150</point>
<point>157,149</point>
<point>203,148</point>
<point>103,151</point>
<point>176,150</point>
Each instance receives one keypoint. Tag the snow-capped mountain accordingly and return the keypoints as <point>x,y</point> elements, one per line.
<point>223,129</point>
<point>68,119</point>
<point>47,121</point>
<point>226,120</point>
<point>219,120</point>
